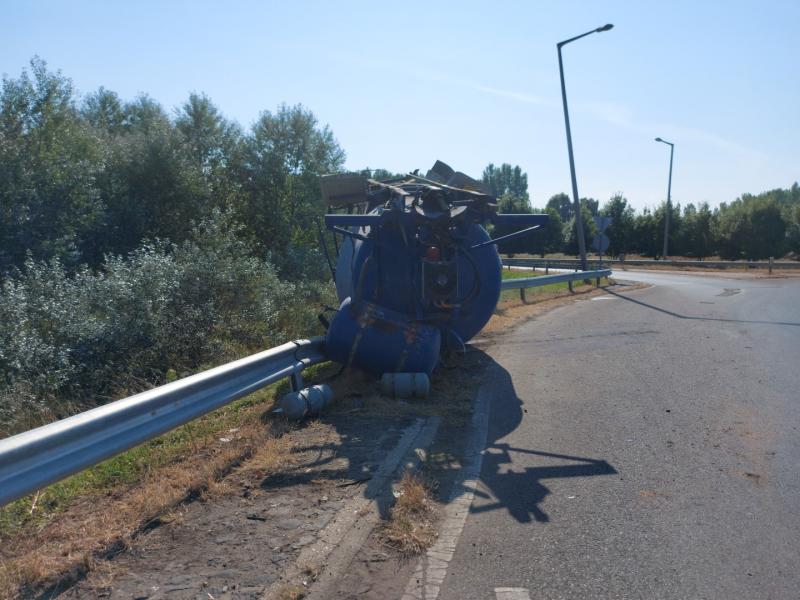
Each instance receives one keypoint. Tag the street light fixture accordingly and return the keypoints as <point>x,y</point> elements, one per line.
<point>575,197</point>
<point>669,194</point>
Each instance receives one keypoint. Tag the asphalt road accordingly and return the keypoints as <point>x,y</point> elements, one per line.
<point>643,445</point>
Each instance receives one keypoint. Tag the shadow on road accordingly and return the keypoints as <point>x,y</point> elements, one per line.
<point>520,492</point>
<point>363,441</point>
<point>679,316</point>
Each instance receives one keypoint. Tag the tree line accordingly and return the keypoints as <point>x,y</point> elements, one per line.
<point>136,242</point>
<point>83,179</point>
<point>751,227</point>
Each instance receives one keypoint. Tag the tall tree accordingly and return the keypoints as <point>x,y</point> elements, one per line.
<point>548,238</point>
<point>284,156</point>
<point>104,111</point>
<point>645,237</point>
<point>570,231</point>
<point>591,205</point>
<point>620,232</point>
<point>562,205</point>
<point>48,162</point>
<point>213,145</point>
<point>696,239</point>
<point>506,180</point>
<point>149,186</point>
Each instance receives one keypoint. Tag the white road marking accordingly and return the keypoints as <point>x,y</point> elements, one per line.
<point>506,593</point>
<point>428,577</point>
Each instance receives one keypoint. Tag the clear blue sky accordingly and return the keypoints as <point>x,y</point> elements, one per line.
<point>404,83</point>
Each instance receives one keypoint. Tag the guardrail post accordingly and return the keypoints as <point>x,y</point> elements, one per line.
<point>296,381</point>
<point>547,268</point>
<point>598,282</point>
<point>522,294</point>
<point>770,264</point>
<point>569,283</point>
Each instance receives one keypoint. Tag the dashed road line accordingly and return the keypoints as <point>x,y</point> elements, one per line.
<point>509,593</point>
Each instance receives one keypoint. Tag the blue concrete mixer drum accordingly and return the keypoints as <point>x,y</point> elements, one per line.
<point>416,271</point>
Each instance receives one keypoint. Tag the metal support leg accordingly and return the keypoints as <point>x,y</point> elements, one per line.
<point>296,381</point>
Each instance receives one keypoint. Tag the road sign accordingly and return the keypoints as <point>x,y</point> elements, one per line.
<point>600,242</point>
<point>602,223</point>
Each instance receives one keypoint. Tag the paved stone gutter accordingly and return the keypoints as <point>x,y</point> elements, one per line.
<point>248,541</point>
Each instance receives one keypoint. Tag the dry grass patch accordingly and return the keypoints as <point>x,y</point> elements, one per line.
<point>292,592</point>
<point>311,572</point>
<point>72,543</point>
<point>410,528</point>
<point>450,395</point>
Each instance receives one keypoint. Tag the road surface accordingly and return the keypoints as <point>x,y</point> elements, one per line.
<point>643,445</point>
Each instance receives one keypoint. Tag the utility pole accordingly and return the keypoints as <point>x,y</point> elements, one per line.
<point>575,197</point>
<point>669,198</point>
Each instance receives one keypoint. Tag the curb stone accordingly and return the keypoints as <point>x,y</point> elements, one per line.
<point>431,568</point>
<point>347,532</point>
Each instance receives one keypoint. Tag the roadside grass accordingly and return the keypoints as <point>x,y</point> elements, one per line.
<point>410,528</point>
<point>531,293</point>
<point>292,592</point>
<point>65,529</point>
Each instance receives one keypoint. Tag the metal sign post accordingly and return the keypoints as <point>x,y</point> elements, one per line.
<point>600,242</point>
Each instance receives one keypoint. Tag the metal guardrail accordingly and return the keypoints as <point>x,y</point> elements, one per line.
<point>551,263</point>
<point>523,283</point>
<point>41,456</point>
<point>569,263</point>
<point>34,459</point>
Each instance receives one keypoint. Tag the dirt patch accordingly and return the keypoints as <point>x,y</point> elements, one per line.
<point>68,546</point>
<point>238,545</point>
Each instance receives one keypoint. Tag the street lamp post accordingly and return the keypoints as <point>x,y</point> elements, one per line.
<point>669,194</point>
<point>575,197</point>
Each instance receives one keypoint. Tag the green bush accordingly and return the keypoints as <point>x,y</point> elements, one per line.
<point>69,341</point>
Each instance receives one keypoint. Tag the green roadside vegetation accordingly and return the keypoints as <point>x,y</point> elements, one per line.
<point>529,292</point>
